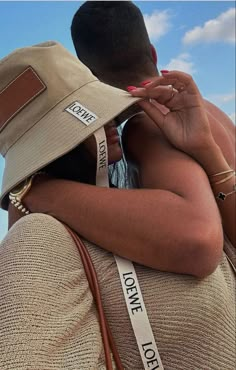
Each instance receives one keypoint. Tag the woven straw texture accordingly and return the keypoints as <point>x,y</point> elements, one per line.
<point>48,319</point>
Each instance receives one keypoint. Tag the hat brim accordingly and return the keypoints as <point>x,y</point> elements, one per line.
<point>58,132</point>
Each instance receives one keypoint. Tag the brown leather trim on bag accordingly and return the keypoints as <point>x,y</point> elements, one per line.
<point>18,93</point>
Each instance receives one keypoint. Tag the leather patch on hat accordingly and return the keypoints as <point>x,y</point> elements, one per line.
<point>19,93</point>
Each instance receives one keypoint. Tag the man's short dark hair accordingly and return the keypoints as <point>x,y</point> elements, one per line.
<point>110,36</point>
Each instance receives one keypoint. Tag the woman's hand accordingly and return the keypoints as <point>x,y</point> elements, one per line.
<point>187,127</point>
<point>186,124</point>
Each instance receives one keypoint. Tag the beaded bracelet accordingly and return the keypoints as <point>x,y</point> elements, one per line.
<point>17,194</point>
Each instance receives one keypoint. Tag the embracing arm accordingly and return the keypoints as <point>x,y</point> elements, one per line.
<point>173,224</point>
<point>199,129</point>
<point>174,228</point>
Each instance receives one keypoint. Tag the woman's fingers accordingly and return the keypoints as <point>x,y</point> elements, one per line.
<point>162,94</point>
<point>179,80</point>
<point>174,89</point>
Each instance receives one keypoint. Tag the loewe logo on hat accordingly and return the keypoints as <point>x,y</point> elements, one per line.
<point>82,113</point>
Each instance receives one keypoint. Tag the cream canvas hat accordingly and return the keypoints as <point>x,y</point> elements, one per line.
<point>49,103</point>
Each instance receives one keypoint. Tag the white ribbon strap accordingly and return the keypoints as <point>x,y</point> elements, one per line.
<point>102,158</point>
<point>129,281</point>
<point>138,315</point>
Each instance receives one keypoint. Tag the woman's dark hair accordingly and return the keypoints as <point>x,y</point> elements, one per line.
<point>76,165</point>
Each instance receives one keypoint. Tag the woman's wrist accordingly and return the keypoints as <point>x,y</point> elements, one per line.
<point>225,187</point>
<point>219,172</point>
<point>212,159</point>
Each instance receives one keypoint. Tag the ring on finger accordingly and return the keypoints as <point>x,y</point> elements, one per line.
<point>172,90</point>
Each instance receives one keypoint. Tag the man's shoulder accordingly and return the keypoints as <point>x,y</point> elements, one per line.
<point>223,130</point>
<point>139,133</point>
<point>217,117</point>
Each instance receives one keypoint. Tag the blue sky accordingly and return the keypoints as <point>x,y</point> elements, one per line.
<point>197,37</point>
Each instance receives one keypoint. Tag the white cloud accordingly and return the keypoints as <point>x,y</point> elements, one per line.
<point>221,28</point>
<point>221,99</point>
<point>181,63</point>
<point>157,23</point>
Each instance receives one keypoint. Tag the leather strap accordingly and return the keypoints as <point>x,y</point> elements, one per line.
<point>108,341</point>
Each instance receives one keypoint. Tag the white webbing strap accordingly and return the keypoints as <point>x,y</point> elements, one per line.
<point>138,315</point>
<point>102,158</point>
<point>129,281</point>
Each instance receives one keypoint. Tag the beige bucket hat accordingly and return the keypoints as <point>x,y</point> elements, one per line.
<point>49,103</point>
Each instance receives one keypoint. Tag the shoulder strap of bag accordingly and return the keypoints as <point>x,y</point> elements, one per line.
<point>138,315</point>
<point>108,341</point>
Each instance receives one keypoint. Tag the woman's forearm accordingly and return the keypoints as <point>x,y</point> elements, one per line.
<point>213,162</point>
<point>136,224</point>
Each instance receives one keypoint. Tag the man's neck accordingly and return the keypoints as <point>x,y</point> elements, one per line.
<point>131,79</point>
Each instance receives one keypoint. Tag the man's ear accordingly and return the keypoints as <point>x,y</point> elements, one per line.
<point>154,53</point>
